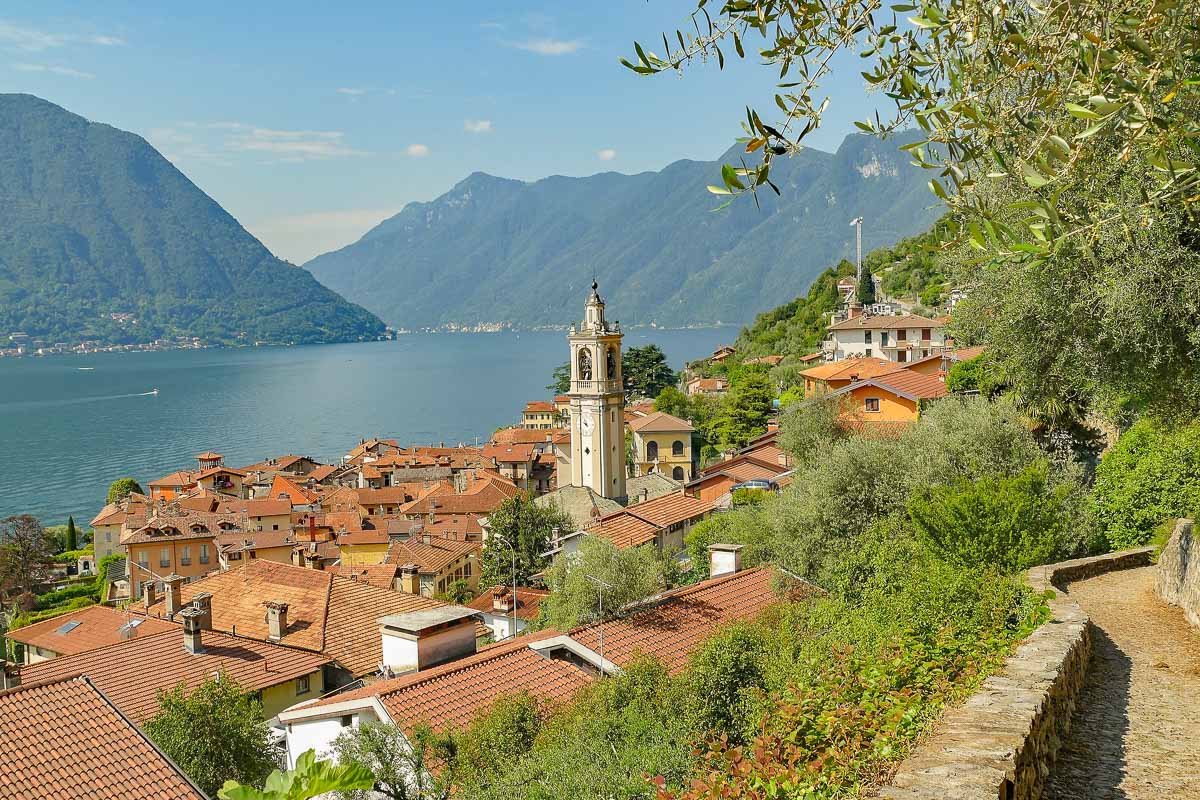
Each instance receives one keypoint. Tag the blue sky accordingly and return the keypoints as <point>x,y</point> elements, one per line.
<point>311,122</point>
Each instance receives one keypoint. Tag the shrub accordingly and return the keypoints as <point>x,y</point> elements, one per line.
<point>996,521</point>
<point>1151,474</point>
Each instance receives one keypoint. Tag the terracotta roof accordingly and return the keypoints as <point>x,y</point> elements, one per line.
<point>297,494</point>
<point>519,435</point>
<point>381,575</point>
<point>132,673</point>
<point>510,453</point>
<point>432,557</point>
<point>670,628</point>
<point>768,464</point>
<point>773,361</point>
<point>659,421</point>
<point>967,353</point>
<point>529,601</point>
<point>905,383</point>
<point>709,384</point>
<point>322,472</point>
<point>363,537</point>
<point>63,739</point>
<point>111,514</point>
<point>83,630</point>
<point>180,478</point>
<point>217,471</point>
<point>539,407</point>
<point>326,613</point>
<point>886,322</point>
<point>389,495</point>
<point>810,357</point>
<point>640,524</point>
<point>209,455</point>
<point>264,507</point>
<point>851,368</point>
<point>236,541</point>
<point>482,496</point>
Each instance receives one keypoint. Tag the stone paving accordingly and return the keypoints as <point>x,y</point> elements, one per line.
<point>1136,731</point>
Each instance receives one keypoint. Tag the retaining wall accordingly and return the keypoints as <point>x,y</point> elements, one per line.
<point>1001,743</point>
<point>1177,579</point>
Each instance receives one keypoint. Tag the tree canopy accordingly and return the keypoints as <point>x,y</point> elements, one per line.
<point>122,488</point>
<point>520,524</point>
<point>26,551</point>
<point>646,371</point>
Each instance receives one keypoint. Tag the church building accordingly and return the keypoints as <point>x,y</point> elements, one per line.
<point>597,402</point>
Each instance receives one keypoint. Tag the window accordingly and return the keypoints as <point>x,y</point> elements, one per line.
<point>347,720</point>
<point>108,536</point>
<point>901,356</point>
<point>302,685</point>
<point>144,559</point>
<point>926,334</point>
<point>164,557</point>
<point>585,364</point>
<point>867,337</point>
<point>185,558</point>
<point>871,405</point>
<point>883,339</point>
<point>677,448</point>
<point>652,451</point>
<point>677,473</point>
<point>901,335</point>
<point>611,365</point>
<point>203,554</point>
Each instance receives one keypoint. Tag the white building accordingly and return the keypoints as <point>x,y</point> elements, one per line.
<point>900,338</point>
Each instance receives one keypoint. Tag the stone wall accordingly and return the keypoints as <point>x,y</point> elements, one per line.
<point>1000,744</point>
<point>1177,579</point>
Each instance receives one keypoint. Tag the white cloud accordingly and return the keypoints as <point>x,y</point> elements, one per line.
<point>55,70</point>
<point>33,40</point>
<point>492,25</point>
<point>299,237</point>
<point>478,126</point>
<point>607,154</point>
<point>417,150</point>
<point>289,145</point>
<point>549,47</point>
<point>352,92</point>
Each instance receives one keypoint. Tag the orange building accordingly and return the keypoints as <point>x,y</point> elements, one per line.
<point>895,397</point>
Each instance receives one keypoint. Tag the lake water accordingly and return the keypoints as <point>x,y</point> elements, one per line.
<point>66,433</point>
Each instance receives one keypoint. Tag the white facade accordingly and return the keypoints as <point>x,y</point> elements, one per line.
<point>597,403</point>
<point>900,344</point>
<point>501,624</point>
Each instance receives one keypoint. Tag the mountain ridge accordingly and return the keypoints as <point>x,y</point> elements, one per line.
<point>496,250</point>
<point>100,230</point>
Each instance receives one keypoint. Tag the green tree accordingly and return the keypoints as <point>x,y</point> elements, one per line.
<point>745,412</point>
<point>72,535</point>
<point>26,552</point>
<point>977,374</point>
<point>560,380</point>
<point>631,574</point>
<point>674,402</point>
<point>1150,475</point>
<point>1002,522</point>
<point>457,592</point>
<point>122,488</point>
<point>402,765</point>
<point>311,778</point>
<point>520,524</point>
<point>646,371</point>
<point>214,733</point>
<point>865,292</point>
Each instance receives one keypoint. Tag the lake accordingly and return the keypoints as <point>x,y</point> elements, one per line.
<point>66,432</point>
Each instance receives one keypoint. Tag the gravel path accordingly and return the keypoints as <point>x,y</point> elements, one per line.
<point>1136,733</point>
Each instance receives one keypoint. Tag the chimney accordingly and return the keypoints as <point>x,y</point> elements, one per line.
<point>314,560</point>
<point>10,676</point>
<point>173,584</point>
<point>784,459</point>
<point>422,639</point>
<point>425,538</point>
<point>410,582</point>
<point>724,559</point>
<point>191,630</point>
<point>276,619</point>
<point>856,310</point>
<point>203,603</point>
<point>502,599</point>
<point>150,593</point>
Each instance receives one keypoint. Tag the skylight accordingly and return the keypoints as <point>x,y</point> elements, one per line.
<point>67,628</point>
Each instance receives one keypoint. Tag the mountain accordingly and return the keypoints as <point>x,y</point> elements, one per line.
<point>498,250</point>
<point>94,222</point>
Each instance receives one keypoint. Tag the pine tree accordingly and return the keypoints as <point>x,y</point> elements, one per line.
<point>866,288</point>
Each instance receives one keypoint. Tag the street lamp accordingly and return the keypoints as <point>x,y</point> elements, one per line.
<point>602,586</point>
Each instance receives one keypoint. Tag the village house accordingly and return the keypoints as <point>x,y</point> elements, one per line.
<point>175,541</point>
<point>897,396</point>
<point>313,610</point>
<point>710,386</point>
<point>898,338</point>
<point>172,486</point>
<point>79,631</point>
<point>500,609</point>
<point>721,353</point>
<point>552,666</point>
<point>260,515</point>
<point>663,521</point>
<point>663,443</point>
<point>838,374</point>
<point>64,738</point>
<point>427,565</point>
<point>189,654</point>
<point>273,545</point>
<point>223,480</point>
<point>539,415</point>
<point>363,546</point>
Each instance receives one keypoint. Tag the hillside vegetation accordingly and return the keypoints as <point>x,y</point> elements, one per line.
<point>97,223</point>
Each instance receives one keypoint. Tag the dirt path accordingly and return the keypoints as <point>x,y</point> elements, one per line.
<point>1136,733</point>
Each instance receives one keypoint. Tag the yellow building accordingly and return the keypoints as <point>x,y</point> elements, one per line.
<point>428,565</point>
<point>895,397</point>
<point>363,548</point>
<point>539,415</point>
<point>663,444</point>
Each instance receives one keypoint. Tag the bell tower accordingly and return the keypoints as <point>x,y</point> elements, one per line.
<point>597,403</point>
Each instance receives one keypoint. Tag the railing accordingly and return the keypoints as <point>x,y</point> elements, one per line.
<point>595,386</point>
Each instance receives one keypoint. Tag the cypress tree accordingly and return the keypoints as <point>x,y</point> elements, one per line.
<point>72,535</point>
<point>866,288</point>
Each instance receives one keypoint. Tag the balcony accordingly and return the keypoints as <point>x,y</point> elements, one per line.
<point>594,387</point>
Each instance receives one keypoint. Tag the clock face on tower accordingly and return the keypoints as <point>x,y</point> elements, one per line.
<point>586,424</point>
